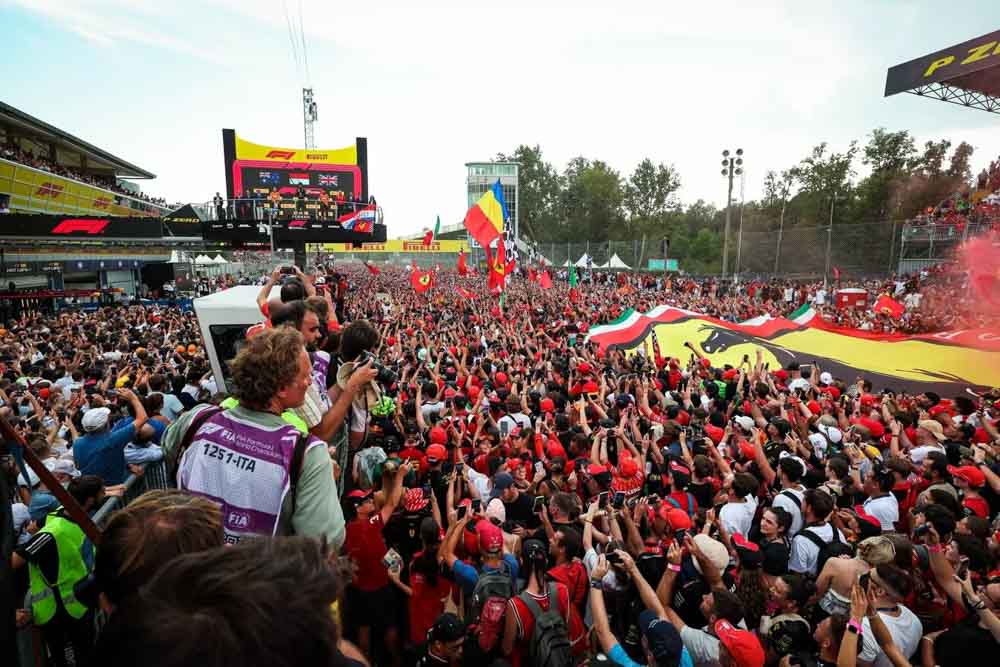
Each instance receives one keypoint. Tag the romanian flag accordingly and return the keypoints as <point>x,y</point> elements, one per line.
<point>421,280</point>
<point>486,217</point>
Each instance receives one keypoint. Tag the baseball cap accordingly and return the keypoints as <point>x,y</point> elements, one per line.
<point>62,467</point>
<point>971,474</point>
<point>490,537</point>
<point>439,436</point>
<point>414,500</point>
<point>496,510</point>
<point>436,453</point>
<point>675,517</point>
<point>95,419</point>
<point>832,433</point>
<point>749,552</point>
<point>360,496</point>
<point>547,405</point>
<point>714,550</point>
<point>825,377</point>
<point>662,637</point>
<point>933,427</point>
<point>744,648</point>
<point>447,628</point>
<point>501,482</point>
<point>501,378</point>
<point>583,368</point>
<point>745,423</point>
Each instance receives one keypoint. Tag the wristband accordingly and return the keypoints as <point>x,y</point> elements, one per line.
<point>673,567</point>
<point>597,584</point>
<point>854,626</point>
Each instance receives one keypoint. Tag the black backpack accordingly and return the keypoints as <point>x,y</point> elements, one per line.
<point>827,550</point>
<point>549,645</point>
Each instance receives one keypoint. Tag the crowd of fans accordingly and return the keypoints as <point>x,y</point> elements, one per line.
<point>13,152</point>
<point>980,206</point>
<point>402,478</point>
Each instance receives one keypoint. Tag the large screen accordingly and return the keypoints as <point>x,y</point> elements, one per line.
<point>255,170</point>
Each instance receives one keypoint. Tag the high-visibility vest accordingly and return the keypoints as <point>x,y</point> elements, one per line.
<point>287,416</point>
<point>72,569</point>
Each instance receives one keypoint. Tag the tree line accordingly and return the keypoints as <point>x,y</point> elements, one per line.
<point>592,201</point>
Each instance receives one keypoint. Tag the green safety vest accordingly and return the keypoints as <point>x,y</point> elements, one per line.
<point>69,541</point>
<point>287,416</point>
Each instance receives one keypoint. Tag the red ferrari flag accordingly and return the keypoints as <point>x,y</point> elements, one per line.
<point>468,294</point>
<point>545,280</point>
<point>374,270</point>
<point>462,268</point>
<point>421,280</point>
<point>886,305</point>
<point>497,267</point>
<point>428,237</point>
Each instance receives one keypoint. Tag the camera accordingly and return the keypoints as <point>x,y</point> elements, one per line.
<point>385,376</point>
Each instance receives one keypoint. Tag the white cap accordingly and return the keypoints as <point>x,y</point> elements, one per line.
<point>714,550</point>
<point>825,377</point>
<point>746,423</point>
<point>95,419</point>
<point>819,443</point>
<point>62,466</point>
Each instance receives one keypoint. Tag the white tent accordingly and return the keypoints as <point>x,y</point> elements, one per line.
<point>219,259</point>
<point>176,257</point>
<point>616,263</point>
<point>584,260</point>
<point>203,259</point>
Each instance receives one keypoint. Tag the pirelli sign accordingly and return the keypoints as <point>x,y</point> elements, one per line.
<point>952,65</point>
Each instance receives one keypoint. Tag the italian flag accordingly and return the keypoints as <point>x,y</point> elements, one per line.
<point>803,315</point>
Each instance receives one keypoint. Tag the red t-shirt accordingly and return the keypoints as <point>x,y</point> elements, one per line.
<point>574,576</point>
<point>366,547</point>
<point>425,604</point>
<point>526,624</point>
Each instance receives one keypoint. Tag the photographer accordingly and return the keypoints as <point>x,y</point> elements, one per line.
<point>358,340</point>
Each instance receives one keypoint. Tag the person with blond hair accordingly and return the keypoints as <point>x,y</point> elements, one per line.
<point>839,574</point>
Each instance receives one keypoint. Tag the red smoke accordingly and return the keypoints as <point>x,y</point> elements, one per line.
<point>981,258</point>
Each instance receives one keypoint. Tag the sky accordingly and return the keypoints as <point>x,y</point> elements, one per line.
<point>434,87</point>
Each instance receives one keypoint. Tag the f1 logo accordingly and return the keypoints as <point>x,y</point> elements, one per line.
<point>288,155</point>
<point>297,224</point>
<point>71,225</point>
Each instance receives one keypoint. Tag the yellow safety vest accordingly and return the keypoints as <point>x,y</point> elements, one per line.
<point>72,569</point>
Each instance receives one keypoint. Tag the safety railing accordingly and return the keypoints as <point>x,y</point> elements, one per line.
<point>32,190</point>
<point>264,209</point>
<point>154,477</point>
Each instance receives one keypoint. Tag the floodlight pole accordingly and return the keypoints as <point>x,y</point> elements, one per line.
<point>730,167</point>
<point>829,239</point>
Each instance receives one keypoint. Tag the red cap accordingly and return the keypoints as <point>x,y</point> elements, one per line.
<point>707,363</point>
<point>813,406</point>
<point>490,537</point>
<point>595,469</point>
<point>729,375</point>
<point>714,432</point>
<point>547,405</point>
<point>938,409</point>
<point>868,400</point>
<point>971,474</point>
<point>501,378</point>
<point>675,517</point>
<point>449,393</point>
<point>390,340</point>
<point>744,543</point>
<point>747,450</point>
<point>627,467</point>
<point>414,500</point>
<point>833,391</point>
<point>865,516</point>
<point>590,387</point>
<point>742,645</point>
<point>43,393</point>
<point>583,368</point>
<point>437,453</point>
<point>781,374</point>
<point>438,436</point>
<point>473,392</point>
<point>874,426</point>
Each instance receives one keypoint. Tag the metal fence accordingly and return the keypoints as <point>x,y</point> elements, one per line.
<point>864,249</point>
<point>154,477</point>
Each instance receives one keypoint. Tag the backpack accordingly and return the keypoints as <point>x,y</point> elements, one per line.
<point>692,505</point>
<point>827,550</point>
<point>488,604</point>
<point>549,645</point>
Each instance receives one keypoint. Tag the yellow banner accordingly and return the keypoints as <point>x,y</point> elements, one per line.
<point>36,191</point>
<point>247,150</point>
<point>399,245</point>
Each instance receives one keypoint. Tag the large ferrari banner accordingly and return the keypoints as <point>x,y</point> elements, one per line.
<point>946,362</point>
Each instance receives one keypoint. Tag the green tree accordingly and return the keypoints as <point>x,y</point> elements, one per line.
<point>591,201</point>
<point>959,167</point>
<point>651,190</point>
<point>889,152</point>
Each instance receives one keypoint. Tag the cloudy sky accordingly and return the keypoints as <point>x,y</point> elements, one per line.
<point>434,87</point>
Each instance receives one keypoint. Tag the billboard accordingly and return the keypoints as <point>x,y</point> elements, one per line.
<point>287,232</point>
<point>258,169</point>
<point>81,227</point>
<point>398,246</point>
<point>962,65</point>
